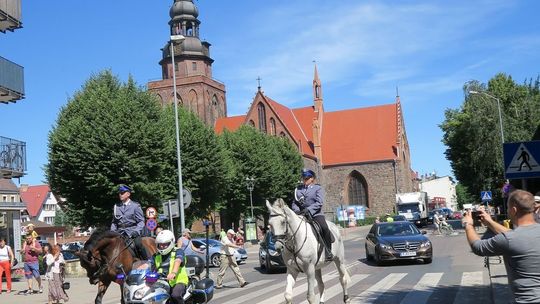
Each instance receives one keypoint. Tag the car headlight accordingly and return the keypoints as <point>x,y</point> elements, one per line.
<point>139,294</point>
<point>384,246</point>
<point>425,244</point>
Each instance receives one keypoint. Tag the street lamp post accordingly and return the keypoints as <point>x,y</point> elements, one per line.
<point>500,126</point>
<point>177,39</point>
<point>250,183</point>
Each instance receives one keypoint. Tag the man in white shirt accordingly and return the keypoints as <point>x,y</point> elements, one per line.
<point>228,260</point>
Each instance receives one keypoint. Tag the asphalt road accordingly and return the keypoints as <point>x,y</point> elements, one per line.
<point>455,276</point>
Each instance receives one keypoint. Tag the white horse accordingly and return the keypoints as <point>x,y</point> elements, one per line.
<point>300,248</point>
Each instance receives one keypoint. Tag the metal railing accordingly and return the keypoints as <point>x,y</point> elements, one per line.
<point>11,80</point>
<point>10,15</point>
<point>12,157</point>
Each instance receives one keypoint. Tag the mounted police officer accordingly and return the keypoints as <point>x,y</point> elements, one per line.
<point>128,220</point>
<point>309,198</point>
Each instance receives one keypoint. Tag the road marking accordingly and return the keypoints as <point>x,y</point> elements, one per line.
<point>423,289</point>
<point>297,290</point>
<point>337,289</point>
<point>251,297</point>
<point>470,290</point>
<point>219,293</point>
<point>372,293</point>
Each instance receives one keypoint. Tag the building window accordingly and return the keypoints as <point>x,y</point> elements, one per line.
<point>282,134</point>
<point>262,117</point>
<point>251,123</point>
<point>13,198</point>
<point>272,126</point>
<point>357,192</point>
<point>194,66</point>
<point>4,198</point>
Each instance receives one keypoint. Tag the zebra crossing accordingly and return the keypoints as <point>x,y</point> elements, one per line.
<point>399,288</point>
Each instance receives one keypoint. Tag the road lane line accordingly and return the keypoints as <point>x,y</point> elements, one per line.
<point>470,290</point>
<point>297,290</point>
<point>372,293</point>
<point>423,289</point>
<point>219,293</point>
<point>336,289</point>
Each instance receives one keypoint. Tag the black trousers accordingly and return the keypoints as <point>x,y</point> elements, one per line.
<point>321,220</point>
<point>177,293</point>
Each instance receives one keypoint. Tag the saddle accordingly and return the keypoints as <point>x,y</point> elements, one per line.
<point>132,247</point>
<point>317,231</point>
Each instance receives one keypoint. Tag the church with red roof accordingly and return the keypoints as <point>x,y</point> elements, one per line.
<point>361,156</point>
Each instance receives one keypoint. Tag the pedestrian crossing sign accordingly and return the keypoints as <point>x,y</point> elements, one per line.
<point>521,159</point>
<point>486,196</point>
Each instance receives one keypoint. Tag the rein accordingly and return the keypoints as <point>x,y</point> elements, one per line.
<point>284,239</point>
<point>104,265</point>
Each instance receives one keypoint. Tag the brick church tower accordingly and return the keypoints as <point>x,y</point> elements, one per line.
<point>195,87</point>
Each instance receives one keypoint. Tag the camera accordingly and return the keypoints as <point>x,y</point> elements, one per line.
<point>476,218</point>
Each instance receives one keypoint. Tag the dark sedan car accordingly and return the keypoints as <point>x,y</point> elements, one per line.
<point>397,241</point>
<point>269,259</point>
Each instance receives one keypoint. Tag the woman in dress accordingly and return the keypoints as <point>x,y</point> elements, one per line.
<point>6,262</point>
<point>55,261</point>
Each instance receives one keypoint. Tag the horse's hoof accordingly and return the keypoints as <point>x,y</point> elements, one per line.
<point>346,299</point>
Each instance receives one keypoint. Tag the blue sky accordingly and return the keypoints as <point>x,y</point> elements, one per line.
<point>363,49</point>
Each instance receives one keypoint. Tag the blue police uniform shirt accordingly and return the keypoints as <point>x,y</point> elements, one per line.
<point>128,218</point>
<point>313,198</point>
<point>166,260</point>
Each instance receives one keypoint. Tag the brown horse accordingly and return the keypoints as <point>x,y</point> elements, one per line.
<point>101,255</point>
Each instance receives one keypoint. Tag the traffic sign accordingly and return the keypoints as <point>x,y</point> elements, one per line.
<point>151,212</point>
<point>521,159</point>
<point>175,209</point>
<point>151,224</point>
<point>486,196</point>
<point>186,198</point>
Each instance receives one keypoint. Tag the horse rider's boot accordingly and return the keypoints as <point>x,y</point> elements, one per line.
<point>328,250</point>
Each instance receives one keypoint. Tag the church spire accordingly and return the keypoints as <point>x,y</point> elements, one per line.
<point>317,91</point>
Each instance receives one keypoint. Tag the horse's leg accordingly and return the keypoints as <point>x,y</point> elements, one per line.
<point>344,277</point>
<point>291,279</point>
<point>102,288</point>
<point>320,284</point>
<point>310,274</point>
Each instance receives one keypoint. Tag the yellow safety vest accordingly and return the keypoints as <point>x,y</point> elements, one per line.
<point>181,276</point>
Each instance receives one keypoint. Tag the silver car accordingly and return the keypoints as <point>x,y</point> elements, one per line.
<point>215,246</point>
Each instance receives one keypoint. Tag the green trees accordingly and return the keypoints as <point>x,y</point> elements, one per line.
<point>272,161</point>
<point>112,133</point>
<point>472,133</point>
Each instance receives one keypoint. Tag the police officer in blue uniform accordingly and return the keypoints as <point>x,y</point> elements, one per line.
<point>128,219</point>
<point>309,198</point>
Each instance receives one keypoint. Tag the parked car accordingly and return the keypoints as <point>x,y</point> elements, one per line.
<point>446,212</point>
<point>269,259</point>
<point>214,249</point>
<point>397,241</point>
<point>73,246</point>
<point>457,215</point>
<point>398,218</point>
<point>69,256</point>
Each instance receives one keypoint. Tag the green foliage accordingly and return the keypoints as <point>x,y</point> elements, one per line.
<point>463,196</point>
<point>203,165</point>
<point>473,136</point>
<point>108,134</point>
<point>273,162</point>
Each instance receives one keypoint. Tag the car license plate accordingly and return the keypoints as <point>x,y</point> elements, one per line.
<point>408,253</point>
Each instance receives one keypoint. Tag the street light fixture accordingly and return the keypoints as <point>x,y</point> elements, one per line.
<point>250,183</point>
<point>177,39</point>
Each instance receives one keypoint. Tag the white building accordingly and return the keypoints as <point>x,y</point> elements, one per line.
<point>40,203</point>
<point>439,188</point>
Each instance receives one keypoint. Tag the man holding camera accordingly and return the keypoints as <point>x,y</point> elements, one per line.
<point>519,247</point>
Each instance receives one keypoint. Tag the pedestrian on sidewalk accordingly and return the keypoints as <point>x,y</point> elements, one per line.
<point>537,207</point>
<point>31,250</point>
<point>6,262</point>
<point>519,247</point>
<point>55,263</point>
<point>228,260</point>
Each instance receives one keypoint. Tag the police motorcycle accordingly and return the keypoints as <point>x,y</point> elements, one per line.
<point>143,286</point>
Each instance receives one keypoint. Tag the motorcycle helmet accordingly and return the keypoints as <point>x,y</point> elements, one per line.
<point>165,242</point>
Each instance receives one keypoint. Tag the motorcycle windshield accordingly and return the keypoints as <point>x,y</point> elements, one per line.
<point>138,273</point>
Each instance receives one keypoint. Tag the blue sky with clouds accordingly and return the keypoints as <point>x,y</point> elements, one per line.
<point>363,49</point>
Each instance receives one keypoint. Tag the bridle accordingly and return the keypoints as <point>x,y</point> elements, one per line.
<point>104,266</point>
<point>287,237</point>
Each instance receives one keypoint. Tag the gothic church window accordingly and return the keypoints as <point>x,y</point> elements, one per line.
<point>261,111</point>
<point>357,190</point>
<point>251,123</point>
<point>272,126</point>
<point>317,91</point>
<point>194,66</point>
